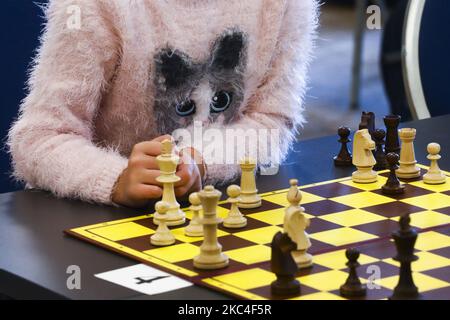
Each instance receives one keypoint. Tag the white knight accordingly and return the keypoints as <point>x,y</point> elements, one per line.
<point>295,225</point>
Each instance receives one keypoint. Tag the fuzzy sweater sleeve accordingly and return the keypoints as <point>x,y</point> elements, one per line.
<point>51,142</point>
<point>278,101</point>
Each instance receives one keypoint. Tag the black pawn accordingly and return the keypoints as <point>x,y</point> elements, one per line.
<point>393,185</point>
<point>405,240</point>
<point>284,266</point>
<point>344,158</point>
<point>379,154</point>
<point>352,287</point>
<point>392,141</point>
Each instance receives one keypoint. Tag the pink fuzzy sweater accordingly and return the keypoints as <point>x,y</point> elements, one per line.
<point>124,74</point>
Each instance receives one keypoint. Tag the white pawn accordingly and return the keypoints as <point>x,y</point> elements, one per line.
<point>434,174</point>
<point>162,236</point>
<point>195,228</point>
<point>235,218</point>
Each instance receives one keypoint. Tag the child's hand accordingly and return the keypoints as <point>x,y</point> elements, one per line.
<point>191,171</point>
<point>137,183</point>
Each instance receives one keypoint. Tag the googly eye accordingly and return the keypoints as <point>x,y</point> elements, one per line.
<point>221,101</point>
<point>185,108</point>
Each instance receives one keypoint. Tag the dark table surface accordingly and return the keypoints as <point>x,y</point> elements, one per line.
<point>35,254</point>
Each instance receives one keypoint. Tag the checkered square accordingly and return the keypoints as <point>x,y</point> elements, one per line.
<point>320,208</point>
<point>331,190</point>
<point>367,186</point>
<point>410,192</point>
<point>393,209</point>
<point>117,232</point>
<point>280,198</point>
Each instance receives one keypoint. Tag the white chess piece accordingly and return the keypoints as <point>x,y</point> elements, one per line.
<point>163,236</point>
<point>363,158</point>
<point>167,163</point>
<point>235,218</point>
<point>211,256</point>
<point>408,168</point>
<point>195,228</point>
<point>295,225</point>
<point>434,174</point>
<point>249,194</point>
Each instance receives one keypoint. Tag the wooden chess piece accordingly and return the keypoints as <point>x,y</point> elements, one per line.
<point>392,143</point>
<point>162,236</point>
<point>434,174</point>
<point>405,240</point>
<point>352,287</point>
<point>380,155</point>
<point>367,122</point>
<point>294,196</point>
<point>211,256</point>
<point>284,266</point>
<point>235,218</point>
<point>408,168</point>
<point>393,185</point>
<point>363,158</point>
<point>195,228</point>
<point>344,157</point>
<point>249,194</point>
<point>295,224</point>
<point>167,163</point>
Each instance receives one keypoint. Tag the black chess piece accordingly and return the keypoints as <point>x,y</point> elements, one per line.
<point>392,141</point>
<point>352,287</point>
<point>405,239</point>
<point>393,185</point>
<point>379,154</point>
<point>344,158</point>
<point>367,122</point>
<point>284,266</point>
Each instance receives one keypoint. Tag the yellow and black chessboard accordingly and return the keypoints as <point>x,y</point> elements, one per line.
<point>343,214</point>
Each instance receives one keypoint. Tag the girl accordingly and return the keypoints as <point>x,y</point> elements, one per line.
<point>112,78</point>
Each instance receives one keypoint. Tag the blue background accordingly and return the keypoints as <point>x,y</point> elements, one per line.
<point>20,26</point>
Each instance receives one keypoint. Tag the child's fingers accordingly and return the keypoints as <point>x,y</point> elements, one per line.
<point>150,148</point>
<point>194,185</point>
<point>164,137</point>
<point>146,176</point>
<point>185,174</point>
<point>146,191</point>
<point>181,191</point>
<point>143,161</point>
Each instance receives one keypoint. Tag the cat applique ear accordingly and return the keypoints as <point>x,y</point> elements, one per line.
<point>228,50</point>
<point>174,68</point>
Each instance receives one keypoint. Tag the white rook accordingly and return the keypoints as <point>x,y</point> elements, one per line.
<point>408,168</point>
<point>249,197</point>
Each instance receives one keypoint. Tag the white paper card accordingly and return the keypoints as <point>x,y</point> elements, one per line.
<point>144,279</point>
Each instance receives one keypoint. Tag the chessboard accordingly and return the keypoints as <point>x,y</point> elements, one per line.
<point>343,214</point>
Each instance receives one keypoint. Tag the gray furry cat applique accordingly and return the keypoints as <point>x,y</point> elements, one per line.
<point>205,91</point>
